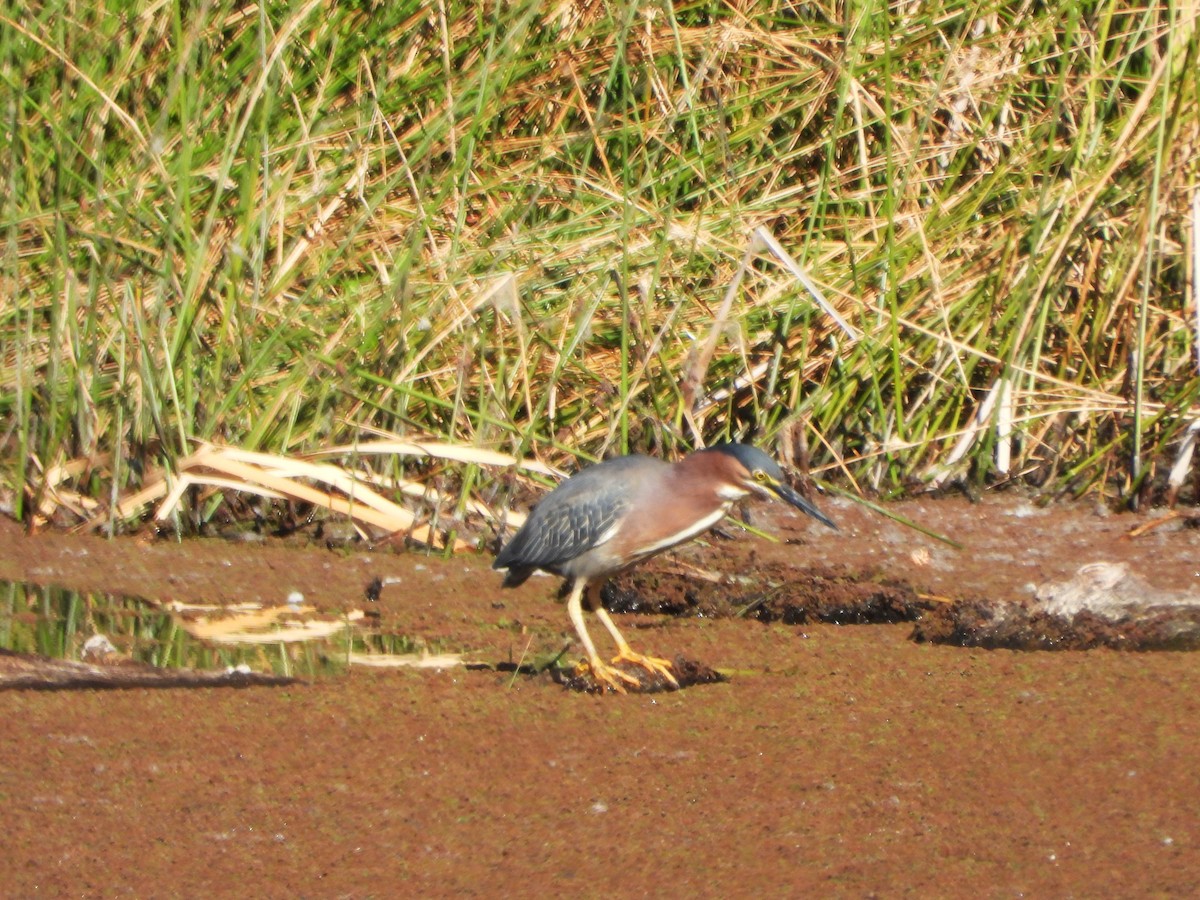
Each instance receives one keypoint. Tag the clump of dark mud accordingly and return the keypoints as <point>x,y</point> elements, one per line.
<point>776,593</point>
<point>1007,625</point>
<point>687,672</point>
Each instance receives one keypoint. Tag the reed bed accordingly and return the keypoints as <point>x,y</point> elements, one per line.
<point>903,245</point>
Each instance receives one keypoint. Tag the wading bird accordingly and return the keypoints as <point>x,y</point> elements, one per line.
<point>617,513</point>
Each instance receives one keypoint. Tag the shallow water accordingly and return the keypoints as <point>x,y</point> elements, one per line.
<point>118,630</point>
<point>59,622</point>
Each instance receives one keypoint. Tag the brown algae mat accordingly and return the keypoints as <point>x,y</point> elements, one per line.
<point>835,759</point>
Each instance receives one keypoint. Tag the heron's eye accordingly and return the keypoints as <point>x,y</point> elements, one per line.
<point>760,476</point>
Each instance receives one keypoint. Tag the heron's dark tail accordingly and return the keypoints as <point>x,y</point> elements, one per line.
<point>515,576</point>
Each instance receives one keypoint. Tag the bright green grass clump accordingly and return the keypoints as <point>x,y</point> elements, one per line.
<point>513,225</point>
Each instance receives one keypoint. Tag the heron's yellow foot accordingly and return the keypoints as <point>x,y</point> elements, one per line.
<point>606,675</point>
<point>654,665</point>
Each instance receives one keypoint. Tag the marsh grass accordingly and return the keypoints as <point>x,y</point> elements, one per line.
<point>512,227</point>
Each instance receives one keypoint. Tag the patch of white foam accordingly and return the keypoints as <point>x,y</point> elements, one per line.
<point>1106,589</point>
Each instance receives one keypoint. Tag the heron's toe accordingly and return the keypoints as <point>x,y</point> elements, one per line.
<point>607,676</point>
<point>659,667</point>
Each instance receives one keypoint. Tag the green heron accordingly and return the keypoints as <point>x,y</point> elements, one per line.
<point>615,514</point>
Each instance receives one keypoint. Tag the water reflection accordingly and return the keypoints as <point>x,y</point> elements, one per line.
<point>114,629</point>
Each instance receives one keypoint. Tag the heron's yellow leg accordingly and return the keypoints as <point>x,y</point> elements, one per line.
<point>606,675</point>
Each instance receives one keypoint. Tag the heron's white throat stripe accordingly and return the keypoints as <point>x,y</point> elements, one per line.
<point>691,531</point>
<point>731,492</point>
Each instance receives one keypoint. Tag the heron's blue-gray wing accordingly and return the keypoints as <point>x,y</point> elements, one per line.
<point>574,518</point>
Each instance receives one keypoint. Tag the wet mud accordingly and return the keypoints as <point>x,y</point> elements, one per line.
<point>835,760</point>
<point>983,623</point>
<point>776,593</point>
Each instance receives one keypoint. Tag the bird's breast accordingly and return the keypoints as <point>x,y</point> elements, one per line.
<point>646,541</point>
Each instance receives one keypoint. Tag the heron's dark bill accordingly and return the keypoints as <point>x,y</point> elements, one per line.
<point>786,493</point>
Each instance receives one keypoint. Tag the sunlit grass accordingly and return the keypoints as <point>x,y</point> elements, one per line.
<point>296,225</point>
